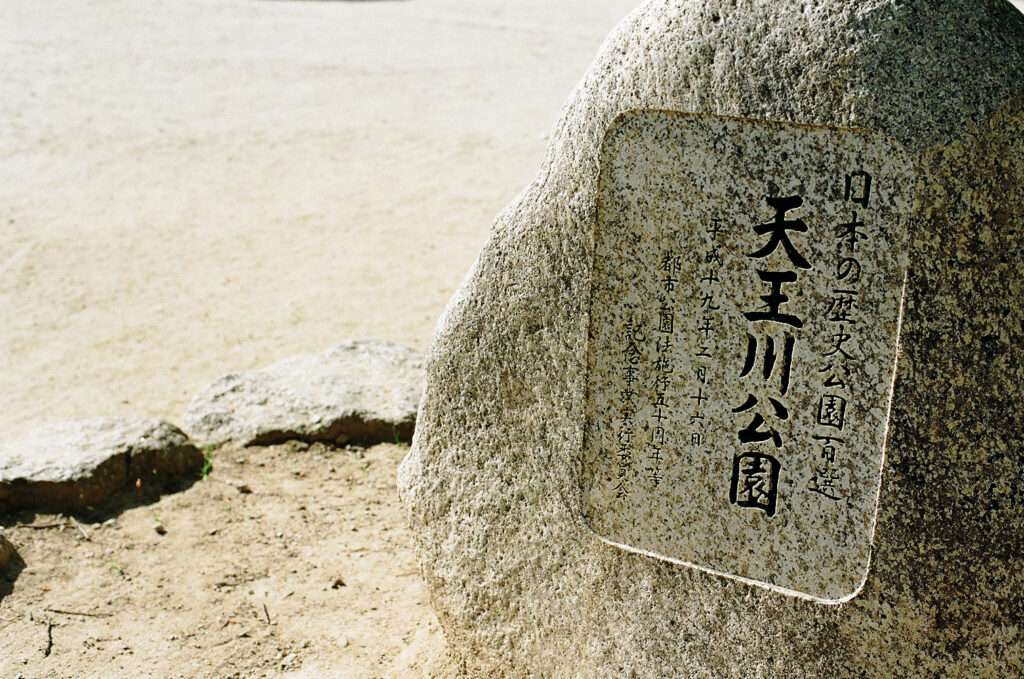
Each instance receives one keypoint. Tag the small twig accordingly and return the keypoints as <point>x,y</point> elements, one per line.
<point>49,639</point>
<point>88,615</point>
<point>266,613</point>
<point>39,526</point>
<point>80,528</point>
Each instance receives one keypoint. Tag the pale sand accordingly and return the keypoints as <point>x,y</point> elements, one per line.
<point>199,186</point>
<point>193,187</point>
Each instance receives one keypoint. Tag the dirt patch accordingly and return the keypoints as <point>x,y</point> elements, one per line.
<point>290,560</point>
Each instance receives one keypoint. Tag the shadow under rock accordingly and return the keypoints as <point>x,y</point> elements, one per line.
<point>10,571</point>
<point>110,508</point>
<point>77,519</point>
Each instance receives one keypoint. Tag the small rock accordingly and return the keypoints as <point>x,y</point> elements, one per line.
<point>6,551</point>
<point>365,391</point>
<point>160,528</point>
<point>77,464</point>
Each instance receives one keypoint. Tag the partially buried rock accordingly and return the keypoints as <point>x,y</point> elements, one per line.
<point>364,392</point>
<point>6,551</point>
<point>72,465</point>
<point>734,388</point>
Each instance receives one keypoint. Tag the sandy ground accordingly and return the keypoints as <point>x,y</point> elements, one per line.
<point>199,186</point>
<point>307,574</point>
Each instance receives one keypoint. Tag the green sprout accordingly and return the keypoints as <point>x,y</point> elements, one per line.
<point>207,467</point>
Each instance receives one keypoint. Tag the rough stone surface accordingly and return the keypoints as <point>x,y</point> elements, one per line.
<point>364,391</point>
<point>72,465</point>
<point>494,481</point>
<point>684,358</point>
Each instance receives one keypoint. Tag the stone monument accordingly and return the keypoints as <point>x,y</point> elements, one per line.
<point>734,389</point>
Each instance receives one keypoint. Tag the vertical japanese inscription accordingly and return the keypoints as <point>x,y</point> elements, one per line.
<point>747,288</point>
<point>755,474</point>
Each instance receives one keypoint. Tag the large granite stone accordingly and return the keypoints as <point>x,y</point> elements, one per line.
<point>363,391</point>
<point>896,551</point>
<point>72,465</point>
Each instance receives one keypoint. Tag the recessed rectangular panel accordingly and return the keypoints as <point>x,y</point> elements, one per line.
<point>747,290</point>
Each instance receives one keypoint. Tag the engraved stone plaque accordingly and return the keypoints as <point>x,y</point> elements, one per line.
<point>745,312</point>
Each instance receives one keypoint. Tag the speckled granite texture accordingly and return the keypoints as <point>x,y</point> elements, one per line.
<point>494,483</point>
<point>741,355</point>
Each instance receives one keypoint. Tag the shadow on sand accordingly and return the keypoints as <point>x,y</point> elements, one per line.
<point>78,520</point>
<point>10,571</point>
